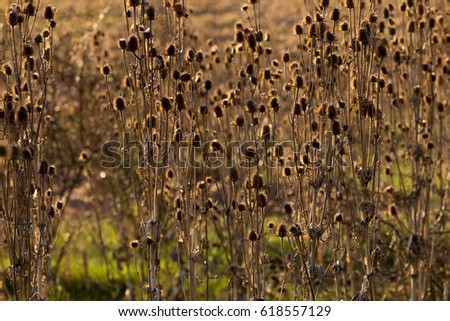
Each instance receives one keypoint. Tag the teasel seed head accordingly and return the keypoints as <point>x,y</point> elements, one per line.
<point>119,103</point>
<point>251,106</point>
<point>133,3</point>
<point>134,244</point>
<point>287,209</point>
<point>106,70</point>
<point>335,14</point>
<point>281,230</point>
<point>49,12</point>
<point>218,113</point>
<point>262,200</point>
<point>336,128</point>
<point>196,140</point>
<point>7,69</point>
<point>274,104</point>
<point>208,85</point>
<point>298,29</point>
<point>28,50</point>
<point>278,151</point>
<point>299,83</point>
<point>179,215</point>
<point>381,51</point>
<point>51,212</point>
<point>150,13</point>
<point>241,207</point>
<point>393,210</point>
<point>257,181</point>
<point>252,236</point>
<point>22,115</point>
<point>295,230</point>
<point>234,174</point>
<point>133,43</point>
<point>331,112</point>
<point>122,43</point>
<point>265,132</point>
<point>43,167</point>
<point>166,104</point>
<point>180,103</point>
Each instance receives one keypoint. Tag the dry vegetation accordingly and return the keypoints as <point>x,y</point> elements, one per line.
<point>204,150</point>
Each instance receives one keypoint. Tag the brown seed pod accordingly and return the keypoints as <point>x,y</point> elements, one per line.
<point>234,174</point>
<point>49,12</point>
<point>133,43</point>
<point>281,230</point>
<point>252,236</point>
<point>119,104</point>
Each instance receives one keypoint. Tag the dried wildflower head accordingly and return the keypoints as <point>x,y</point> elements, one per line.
<point>132,43</point>
<point>49,12</point>
<point>295,230</point>
<point>252,236</point>
<point>134,244</point>
<point>281,230</point>
<point>316,233</point>
<point>234,174</point>
<point>119,104</point>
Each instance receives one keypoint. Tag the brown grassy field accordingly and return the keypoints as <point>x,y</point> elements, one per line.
<point>224,150</point>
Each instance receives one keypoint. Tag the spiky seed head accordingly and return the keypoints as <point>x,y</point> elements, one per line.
<point>43,167</point>
<point>338,217</point>
<point>133,3</point>
<point>241,207</point>
<point>150,13</point>
<point>278,151</point>
<point>335,14</point>
<point>106,70</point>
<point>344,26</point>
<point>208,85</point>
<point>393,210</point>
<point>287,209</point>
<point>49,12</point>
<point>22,115</point>
<point>134,244</point>
<point>7,69</point>
<point>196,140</point>
<point>234,174</point>
<point>179,215</point>
<point>122,43</point>
<point>218,113</point>
<point>251,106</point>
<point>331,112</point>
<point>252,236</point>
<point>166,104</point>
<point>119,103</point>
<point>239,121</point>
<point>298,29</point>
<point>265,132</point>
<point>281,230</point>
<point>257,181</point>
<point>133,43</point>
<point>28,50</point>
